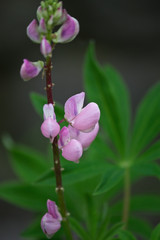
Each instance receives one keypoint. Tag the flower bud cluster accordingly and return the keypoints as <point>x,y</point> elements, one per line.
<point>51,221</point>
<point>50,14</point>
<point>81,131</point>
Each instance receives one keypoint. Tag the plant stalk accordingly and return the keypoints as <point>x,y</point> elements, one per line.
<point>126,198</point>
<point>56,158</point>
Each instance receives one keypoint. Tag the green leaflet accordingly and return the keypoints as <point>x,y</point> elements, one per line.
<point>112,176</point>
<point>113,231</point>
<point>151,154</point>
<point>146,124</point>
<point>141,203</point>
<point>156,233</point>
<point>125,235</point>
<point>98,90</point>
<point>27,163</point>
<point>39,100</point>
<point>26,196</point>
<point>79,230</point>
<point>146,169</point>
<point>139,226</point>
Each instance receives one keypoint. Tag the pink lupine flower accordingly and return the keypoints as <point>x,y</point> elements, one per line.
<point>83,119</point>
<point>42,26</point>
<point>68,31</point>
<point>71,148</point>
<point>51,221</point>
<point>32,31</point>
<point>84,138</point>
<point>49,128</point>
<point>45,47</point>
<point>30,70</point>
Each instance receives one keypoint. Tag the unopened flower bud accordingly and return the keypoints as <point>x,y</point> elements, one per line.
<point>42,26</point>
<point>30,70</point>
<point>32,31</point>
<point>39,13</point>
<point>68,31</point>
<point>45,47</point>
<point>51,20</point>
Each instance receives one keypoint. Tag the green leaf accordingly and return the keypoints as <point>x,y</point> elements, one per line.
<point>146,124</point>
<point>98,90</point>
<point>27,163</point>
<point>39,100</point>
<point>126,235</point>
<point>110,179</point>
<point>151,154</point>
<point>156,233</point>
<point>113,231</point>
<point>139,226</point>
<point>33,230</point>
<point>79,230</point>
<point>141,203</point>
<point>121,96</point>
<point>26,196</point>
<point>146,169</point>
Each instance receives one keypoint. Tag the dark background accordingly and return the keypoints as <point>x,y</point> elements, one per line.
<point>127,35</point>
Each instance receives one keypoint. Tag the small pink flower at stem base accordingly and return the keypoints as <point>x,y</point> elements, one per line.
<point>30,70</point>
<point>45,47</point>
<point>68,31</point>
<point>32,31</point>
<point>51,221</point>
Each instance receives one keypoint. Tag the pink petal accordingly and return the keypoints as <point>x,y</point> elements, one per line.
<point>50,128</point>
<point>32,31</point>
<point>72,151</point>
<point>42,26</point>
<point>50,225</point>
<point>48,111</point>
<point>45,47</point>
<point>86,120</point>
<point>87,138</point>
<point>30,70</point>
<point>53,210</point>
<point>64,137</point>
<point>68,31</point>
<point>73,106</point>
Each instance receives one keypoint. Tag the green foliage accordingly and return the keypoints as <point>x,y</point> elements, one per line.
<point>125,235</point>
<point>156,233</point>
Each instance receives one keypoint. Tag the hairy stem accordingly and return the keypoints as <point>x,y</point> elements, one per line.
<point>56,158</point>
<point>126,199</point>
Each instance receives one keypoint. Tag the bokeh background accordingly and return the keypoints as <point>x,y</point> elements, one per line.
<point>127,35</point>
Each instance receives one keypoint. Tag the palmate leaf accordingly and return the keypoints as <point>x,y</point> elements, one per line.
<point>98,89</point>
<point>112,176</point>
<point>27,196</point>
<point>39,100</point>
<point>146,124</point>
<point>113,231</point>
<point>156,233</point>
<point>79,230</point>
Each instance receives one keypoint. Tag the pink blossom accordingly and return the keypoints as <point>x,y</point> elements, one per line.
<point>30,70</point>
<point>83,119</point>
<point>68,31</point>
<point>49,128</point>
<point>32,31</point>
<point>71,148</point>
<point>51,221</point>
<point>45,47</point>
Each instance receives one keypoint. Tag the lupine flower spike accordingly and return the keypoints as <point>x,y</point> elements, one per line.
<point>51,221</point>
